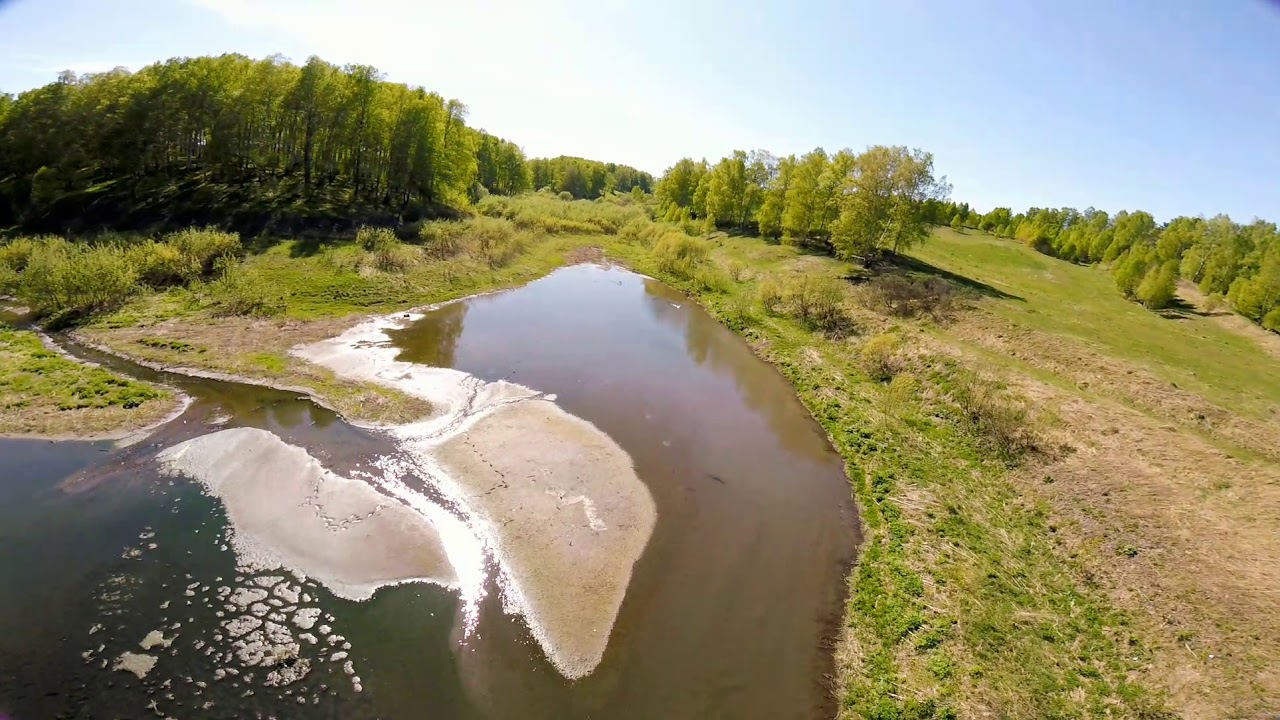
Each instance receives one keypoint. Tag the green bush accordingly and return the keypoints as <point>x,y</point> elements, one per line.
<point>376,239</point>
<point>565,196</point>
<point>1159,286</point>
<point>737,270</point>
<point>443,238</point>
<point>65,279</point>
<point>202,249</point>
<point>680,254</point>
<point>818,301</point>
<point>772,295</point>
<point>881,357</point>
<point>397,258</point>
<point>543,213</point>
<point>641,231</point>
<point>15,253</point>
<point>712,278</point>
<point>997,419</point>
<point>1271,320</point>
<point>161,264</point>
<point>239,292</point>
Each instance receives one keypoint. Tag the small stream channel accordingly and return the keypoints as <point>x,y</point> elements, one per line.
<point>730,611</point>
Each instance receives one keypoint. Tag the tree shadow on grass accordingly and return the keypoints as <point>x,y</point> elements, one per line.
<point>915,266</point>
<point>1180,309</point>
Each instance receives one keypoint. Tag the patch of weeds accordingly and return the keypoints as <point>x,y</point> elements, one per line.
<point>167,344</point>
<point>269,361</point>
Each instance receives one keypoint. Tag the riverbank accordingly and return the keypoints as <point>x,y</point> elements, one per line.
<point>47,395</point>
<point>1024,533</point>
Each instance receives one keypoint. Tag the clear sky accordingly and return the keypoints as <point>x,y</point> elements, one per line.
<point>1171,106</point>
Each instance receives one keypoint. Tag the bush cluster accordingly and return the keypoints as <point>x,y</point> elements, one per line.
<point>905,296</point>
<point>548,214</point>
<point>680,254</point>
<point>60,278</point>
<point>495,241</point>
<point>997,419</point>
<point>816,301</point>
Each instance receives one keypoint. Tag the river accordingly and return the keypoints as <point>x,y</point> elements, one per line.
<point>730,610</point>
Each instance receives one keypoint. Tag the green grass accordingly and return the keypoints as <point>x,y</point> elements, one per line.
<point>38,387</point>
<point>1081,302</point>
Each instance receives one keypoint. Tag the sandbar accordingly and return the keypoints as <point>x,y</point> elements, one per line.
<point>557,501</point>
<point>287,511</point>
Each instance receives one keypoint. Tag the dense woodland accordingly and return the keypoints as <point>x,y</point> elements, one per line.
<point>270,124</point>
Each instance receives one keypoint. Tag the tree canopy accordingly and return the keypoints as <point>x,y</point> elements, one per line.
<point>857,204</point>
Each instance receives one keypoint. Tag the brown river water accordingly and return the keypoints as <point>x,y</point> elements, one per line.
<point>730,613</point>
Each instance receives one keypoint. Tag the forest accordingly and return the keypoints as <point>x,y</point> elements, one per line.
<point>814,199</point>
<point>301,134</point>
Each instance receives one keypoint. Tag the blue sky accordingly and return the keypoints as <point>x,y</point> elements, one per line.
<point>1170,106</point>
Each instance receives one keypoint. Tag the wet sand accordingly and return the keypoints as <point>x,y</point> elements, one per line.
<point>287,511</point>
<point>557,501</point>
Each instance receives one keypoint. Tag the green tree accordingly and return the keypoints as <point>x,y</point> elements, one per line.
<point>882,201</point>
<point>1158,286</point>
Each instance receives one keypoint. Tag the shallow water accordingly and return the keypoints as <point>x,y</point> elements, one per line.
<point>729,612</point>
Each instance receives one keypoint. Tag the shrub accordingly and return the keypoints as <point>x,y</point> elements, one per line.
<point>737,270</point>
<point>375,239</point>
<point>909,297</point>
<point>817,301</point>
<point>162,264</point>
<point>641,231</point>
<point>396,258</point>
<point>239,292</point>
<point>541,213</point>
<point>772,295</point>
<point>202,249</point>
<point>1271,320</point>
<point>712,278</point>
<point>880,357</point>
<point>680,254</point>
<point>501,251</point>
<point>565,196</point>
<point>15,253</point>
<point>1214,302</point>
<point>741,309</point>
<point>999,421</point>
<point>1158,287</point>
<point>442,238</point>
<point>62,278</point>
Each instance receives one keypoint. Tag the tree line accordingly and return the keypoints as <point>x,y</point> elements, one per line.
<point>235,120</point>
<point>587,179</point>
<point>857,205</point>
<point>1229,261</point>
